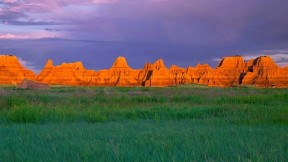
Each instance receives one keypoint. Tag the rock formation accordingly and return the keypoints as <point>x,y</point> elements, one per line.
<point>65,74</point>
<point>233,70</point>
<point>12,72</point>
<point>29,84</point>
<point>226,74</point>
<point>177,74</point>
<point>193,75</point>
<point>46,71</point>
<point>157,75</point>
<point>120,74</point>
<point>263,72</point>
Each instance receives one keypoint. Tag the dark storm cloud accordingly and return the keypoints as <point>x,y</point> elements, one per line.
<point>182,32</point>
<point>50,29</point>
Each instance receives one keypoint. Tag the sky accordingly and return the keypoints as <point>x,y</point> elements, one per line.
<point>182,32</point>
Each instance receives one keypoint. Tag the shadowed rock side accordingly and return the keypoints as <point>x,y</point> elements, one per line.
<point>29,84</point>
<point>157,75</point>
<point>65,74</point>
<point>233,70</point>
<point>12,72</point>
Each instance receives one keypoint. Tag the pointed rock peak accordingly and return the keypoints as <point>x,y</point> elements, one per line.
<point>159,64</point>
<point>120,62</point>
<point>264,61</point>
<point>231,62</point>
<point>49,64</point>
<point>147,65</point>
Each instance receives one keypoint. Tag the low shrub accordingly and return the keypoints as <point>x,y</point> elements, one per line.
<point>25,114</point>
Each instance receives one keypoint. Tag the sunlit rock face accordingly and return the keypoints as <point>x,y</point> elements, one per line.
<point>46,71</point>
<point>194,74</point>
<point>177,75</point>
<point>120,74</point>
<point>263,72</point>
<point>227,72</point>
<point>65,74</point>
<point>260,72</point>
<point>157,75</point>
<point>12,72</point>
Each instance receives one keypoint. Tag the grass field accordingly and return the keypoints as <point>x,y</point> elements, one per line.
<point>184,123</point>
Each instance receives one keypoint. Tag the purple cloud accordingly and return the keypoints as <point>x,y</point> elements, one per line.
<point>184,31</point>
<point>186,21</point>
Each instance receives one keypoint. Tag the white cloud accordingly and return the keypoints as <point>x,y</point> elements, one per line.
<point>216,59</point>
<point>28,65</point>
<point>9,36</point>
<point>34,35</point>
<point>283,64</point>
<point>280,56</point>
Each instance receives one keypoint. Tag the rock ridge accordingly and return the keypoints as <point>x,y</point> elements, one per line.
<point>230,71</point>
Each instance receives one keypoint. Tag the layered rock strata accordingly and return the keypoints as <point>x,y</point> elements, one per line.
<point>120,74</point>
<point>231,71</point>
<point>65,74</point>
<point>263,72</point>
<point>12,72</point>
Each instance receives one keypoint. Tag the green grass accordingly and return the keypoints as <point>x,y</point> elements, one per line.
<point>183,123</point>
<point>143,140</point>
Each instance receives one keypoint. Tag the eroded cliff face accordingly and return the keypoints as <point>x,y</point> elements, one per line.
<point>263,72</point>
<point>65,74</point>
<point>120,74</point>
<point>12,72</point>
<point>260,72</point>
<point>227,72</point>
<point>177,74</point>
<point>194,74</point>
<point>157,75</point>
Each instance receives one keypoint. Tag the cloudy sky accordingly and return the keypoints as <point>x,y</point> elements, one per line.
<point>182,32</point>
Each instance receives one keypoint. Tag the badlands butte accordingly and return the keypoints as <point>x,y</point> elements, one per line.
<point>261,72</point>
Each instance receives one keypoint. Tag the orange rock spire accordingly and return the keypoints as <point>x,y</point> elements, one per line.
<point>120,74</point>
<point>120,62</point>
